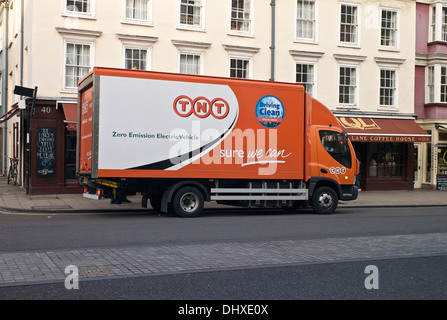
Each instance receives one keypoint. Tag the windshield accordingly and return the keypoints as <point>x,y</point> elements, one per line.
<point>335,144</point>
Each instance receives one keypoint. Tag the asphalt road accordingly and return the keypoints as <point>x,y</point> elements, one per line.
<point>63,231</point>
<point>420,276</point>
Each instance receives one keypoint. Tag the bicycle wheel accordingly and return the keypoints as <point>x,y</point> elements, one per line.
<point>9,175</point>
<point>14,175</point>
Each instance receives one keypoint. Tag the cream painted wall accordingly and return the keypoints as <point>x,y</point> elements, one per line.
<point>44,44</point>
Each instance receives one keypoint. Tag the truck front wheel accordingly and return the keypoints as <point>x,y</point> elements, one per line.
<point>188,202</point>
<point>324,200</point>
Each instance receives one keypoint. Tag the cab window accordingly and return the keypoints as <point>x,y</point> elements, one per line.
<point>337,147</point>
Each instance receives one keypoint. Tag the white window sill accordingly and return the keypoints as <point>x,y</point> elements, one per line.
<point>348,106</point>
<point>137,22</point>
<point>388,108</point>
<point>191,28</point>
<point>391,49</point>
<point>79,15</point>
<point>69,90</point>
<point>240,34</point>
<point>306,41</point>
<point>349,45</point>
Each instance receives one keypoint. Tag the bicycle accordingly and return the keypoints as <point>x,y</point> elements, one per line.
<point>13,171</point>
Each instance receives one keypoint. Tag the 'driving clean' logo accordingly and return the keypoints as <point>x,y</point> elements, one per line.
<point>270,111</point>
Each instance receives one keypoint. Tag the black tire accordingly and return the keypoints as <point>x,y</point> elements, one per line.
<point>156,202</point>
<point>188,202</point>
<point>324,200</point>
<point>12,176</point>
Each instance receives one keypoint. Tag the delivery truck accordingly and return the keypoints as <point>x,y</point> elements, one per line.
<point>182,140</point>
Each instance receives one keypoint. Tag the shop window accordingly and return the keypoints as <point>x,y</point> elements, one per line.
<point>442,159</point>
<point>428,162</point>
<point>386,159</point>
<point>70,154</point>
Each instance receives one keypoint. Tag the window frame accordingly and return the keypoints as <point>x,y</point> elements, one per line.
<point>395,89</point>
<point>126,48</point>
<point>355,103</point>
<point>200,26</point>
<point>314,38</point>
<point>241,53</point>
<point>358,24</point>
<point>437,24</point>
<point>436,85</point>
<point>245,69</point>
<point>312,92</point>
<point>87,15</point>
<point>87,37</point>
<point>250,32</point>
<point>191,48</point>
<point>83,42</point>
<point>431,84</point>
<point>145,22</point>
<point>310,58</point>
<point>396,46</point>
<point>199,55</point>
<point>140,43</point>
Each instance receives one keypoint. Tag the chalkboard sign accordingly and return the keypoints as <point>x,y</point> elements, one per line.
<point>46,153</point>
<point>441,182</point>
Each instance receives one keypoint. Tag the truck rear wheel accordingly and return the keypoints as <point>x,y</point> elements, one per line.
<point>324,200</point>
<point>188,202</point>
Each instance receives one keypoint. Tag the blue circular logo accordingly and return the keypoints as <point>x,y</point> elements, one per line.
<point>270,111</point>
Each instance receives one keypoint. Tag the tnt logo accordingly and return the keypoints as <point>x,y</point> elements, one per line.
<point>184,106</point>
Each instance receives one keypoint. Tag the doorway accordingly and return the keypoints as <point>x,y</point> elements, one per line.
<point>417,158</point>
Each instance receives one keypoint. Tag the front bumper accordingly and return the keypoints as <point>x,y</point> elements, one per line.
<point>349,193</point>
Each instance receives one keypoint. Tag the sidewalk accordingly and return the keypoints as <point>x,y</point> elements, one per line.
<point>14,199</point>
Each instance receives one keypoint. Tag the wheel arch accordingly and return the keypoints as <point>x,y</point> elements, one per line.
<point>170,191</point>
<point>315,183</point>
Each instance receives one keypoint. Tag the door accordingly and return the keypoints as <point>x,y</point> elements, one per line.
<point>417,157</point>
<point>334,157</point>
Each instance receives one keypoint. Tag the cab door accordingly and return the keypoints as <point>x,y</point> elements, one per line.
<point>334,156</point>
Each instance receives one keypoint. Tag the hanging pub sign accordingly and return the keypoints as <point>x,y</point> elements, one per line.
<point>46,153</point>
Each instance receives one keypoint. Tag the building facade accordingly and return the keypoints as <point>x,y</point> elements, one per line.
<point>357,57</point>
<point>431,89</point>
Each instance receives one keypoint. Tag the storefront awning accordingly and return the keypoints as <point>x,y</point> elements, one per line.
<point>364,129</point>
<point>8,115</point>
<point>71,117</point>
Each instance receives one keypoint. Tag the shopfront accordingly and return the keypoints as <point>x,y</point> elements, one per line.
<point>52,148</point>
<point>385,148</point>
<point>433,155</point>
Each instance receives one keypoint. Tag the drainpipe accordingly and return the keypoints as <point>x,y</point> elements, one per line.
<point>272,47</point>
<point>22,41</point>
<point>5,80</point>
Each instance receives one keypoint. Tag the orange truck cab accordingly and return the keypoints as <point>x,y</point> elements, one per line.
<point>181,140</point>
